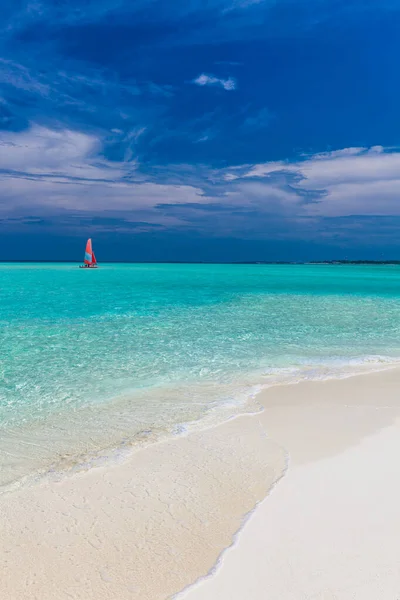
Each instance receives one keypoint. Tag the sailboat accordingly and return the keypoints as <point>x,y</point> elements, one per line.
<point>90,261</point>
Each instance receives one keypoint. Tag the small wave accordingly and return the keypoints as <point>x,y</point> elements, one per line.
<point>80,440</point>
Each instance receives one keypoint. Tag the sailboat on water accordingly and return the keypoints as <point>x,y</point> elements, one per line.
<point>90,261</point>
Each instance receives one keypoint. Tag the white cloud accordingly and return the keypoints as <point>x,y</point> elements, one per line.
<point>62,172</point>
<point>46,171</point>
<point>203,79</point>
<point>337,153</point>
<point>350,181</point>
<point>264,169</point>
<point>48,152</point>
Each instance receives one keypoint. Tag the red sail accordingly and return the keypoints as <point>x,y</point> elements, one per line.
<point>88,253</point>
<point>94,261</point>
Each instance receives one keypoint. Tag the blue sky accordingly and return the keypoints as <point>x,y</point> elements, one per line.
<point>193,130</point>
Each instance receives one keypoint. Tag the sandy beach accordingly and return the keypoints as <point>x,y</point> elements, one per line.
<point>318,465</point>
<point>331,528</point>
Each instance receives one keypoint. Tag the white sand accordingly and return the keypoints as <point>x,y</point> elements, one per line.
<point>145,529</point>
<point>141,530</point>
<point>330,530</point>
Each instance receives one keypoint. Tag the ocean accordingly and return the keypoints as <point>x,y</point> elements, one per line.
<point>95,363</point>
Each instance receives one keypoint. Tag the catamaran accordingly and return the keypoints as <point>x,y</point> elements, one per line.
<point>90,261</point>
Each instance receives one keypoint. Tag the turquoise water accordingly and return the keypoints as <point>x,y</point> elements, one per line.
<point>128,353</point>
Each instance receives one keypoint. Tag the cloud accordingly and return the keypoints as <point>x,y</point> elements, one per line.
<point>49,153</point>
<point>61,176</point>
<point>203,79</point>
<point>53,175</point>
<point>49,173</point>
<point>341,183</point>
<point>20,77</point>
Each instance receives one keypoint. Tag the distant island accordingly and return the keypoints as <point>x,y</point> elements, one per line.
<point>354,262</point>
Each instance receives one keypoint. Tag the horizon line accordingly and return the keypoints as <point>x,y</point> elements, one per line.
<point>211,262</point>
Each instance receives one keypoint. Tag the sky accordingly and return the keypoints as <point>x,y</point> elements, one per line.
<point>219,130</point>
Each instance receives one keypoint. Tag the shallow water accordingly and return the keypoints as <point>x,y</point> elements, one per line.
<point>124,354</point>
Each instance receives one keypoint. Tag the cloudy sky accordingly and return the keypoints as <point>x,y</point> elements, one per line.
<point>200,130</point>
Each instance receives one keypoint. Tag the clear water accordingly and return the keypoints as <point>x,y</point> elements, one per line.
<point>97,359</point>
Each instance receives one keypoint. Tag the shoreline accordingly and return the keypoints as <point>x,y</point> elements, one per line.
<point>117,531</point>
<point>63,446</point>
<point>330,528</point>
<point>143,529</point>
